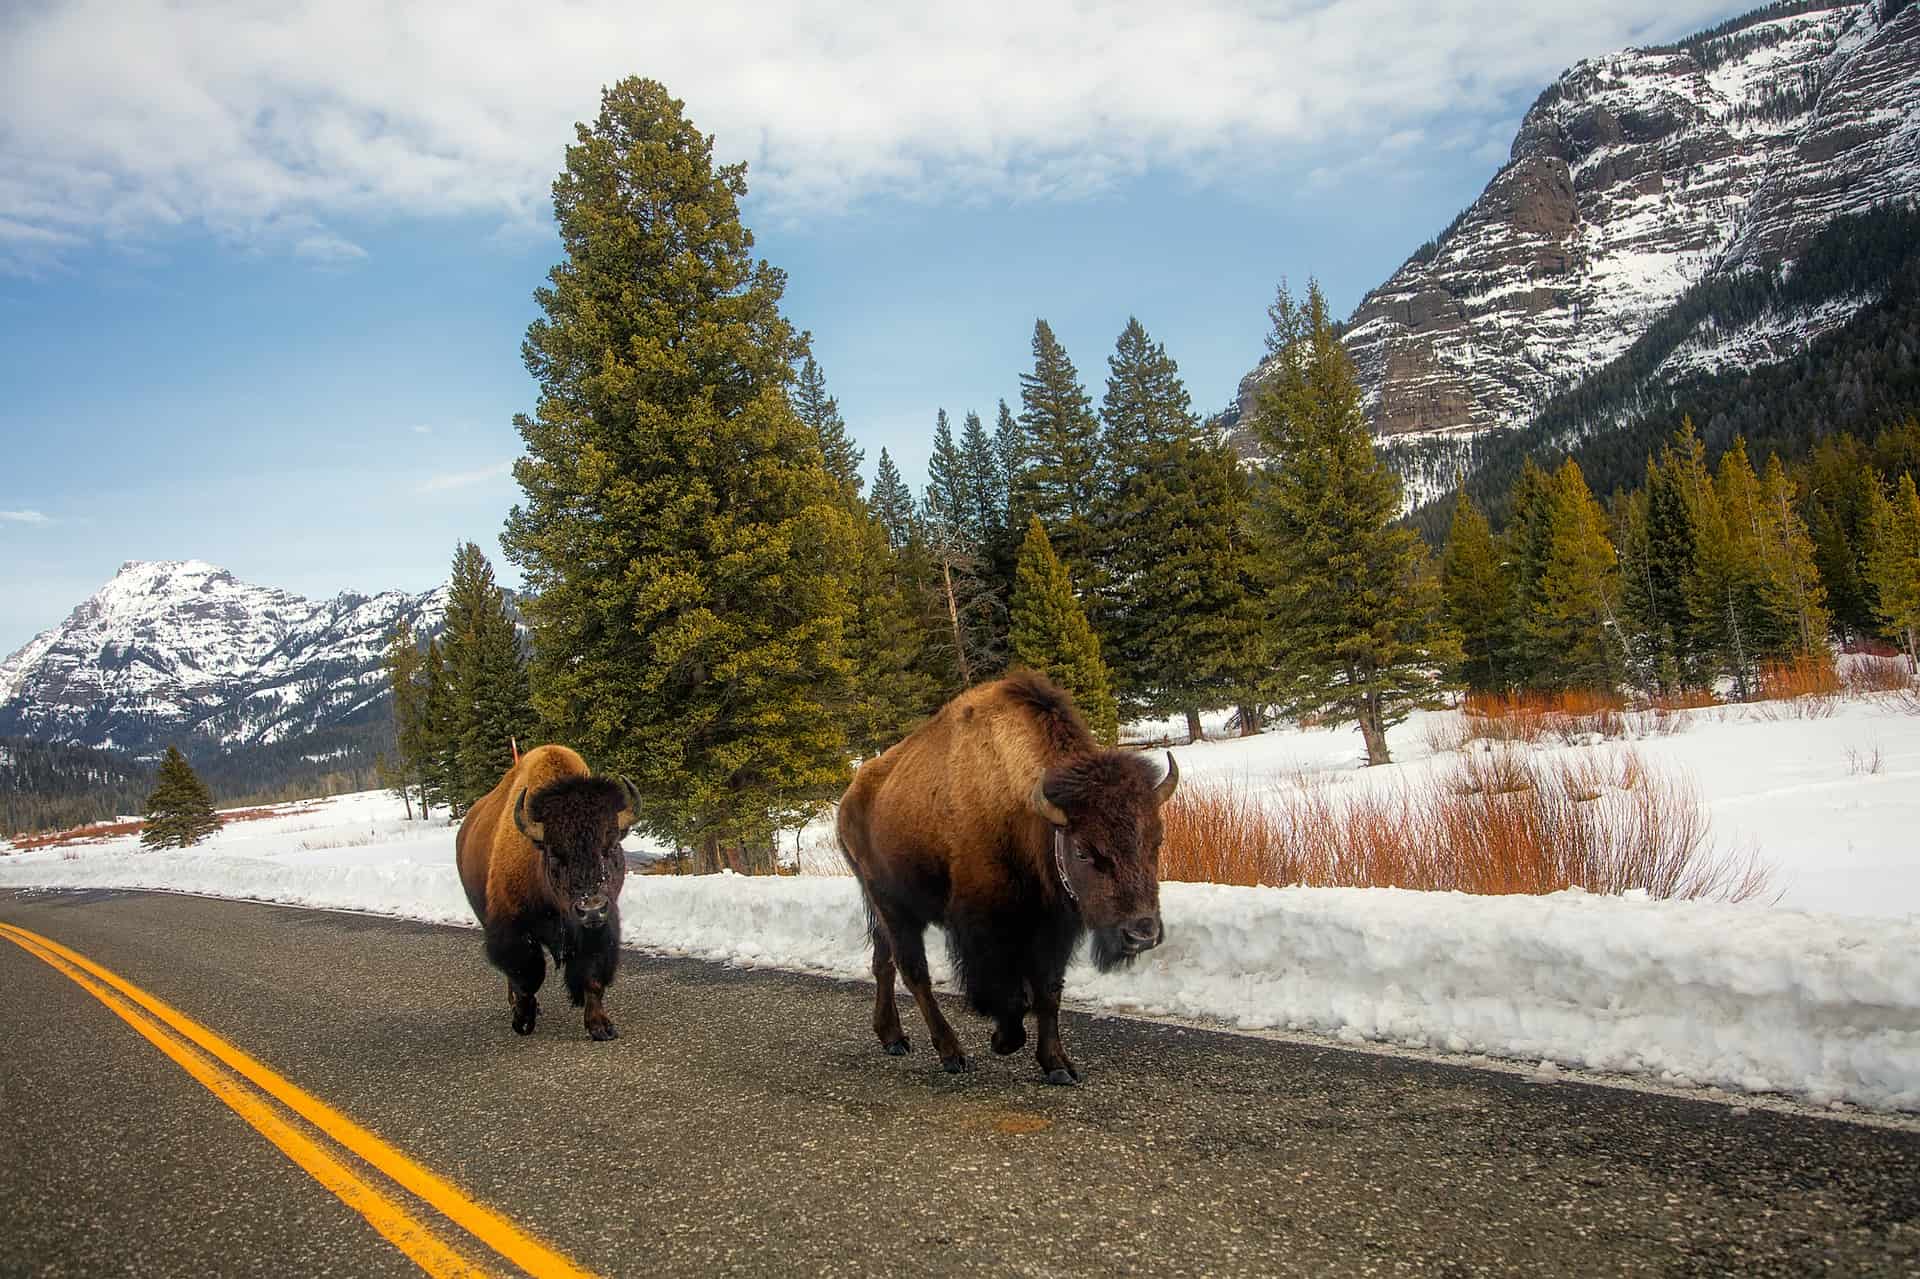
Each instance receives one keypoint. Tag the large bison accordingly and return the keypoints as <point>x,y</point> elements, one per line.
<point>1003,821</point>
<point>540,858</point>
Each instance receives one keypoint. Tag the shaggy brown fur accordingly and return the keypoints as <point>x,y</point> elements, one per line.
<point>957,826</point>
<point>540,859</point>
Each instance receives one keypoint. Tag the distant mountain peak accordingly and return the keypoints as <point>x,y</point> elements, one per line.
<point>180,651</point>
<point>1634,176</point>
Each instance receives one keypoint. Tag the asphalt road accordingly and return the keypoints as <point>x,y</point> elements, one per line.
<point>746,1122</point>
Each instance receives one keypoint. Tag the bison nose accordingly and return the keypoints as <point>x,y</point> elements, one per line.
<point>592,910</point>
<point>1143,933</point>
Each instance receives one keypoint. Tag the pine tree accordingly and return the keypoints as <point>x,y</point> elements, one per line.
<point>1051,635</point>
<point>1356,618</point>
<point>949,498</point>
<point>487,678</point>
<point>1894,563</point>
<point>984,484</point>
<point>1790,589</point>
<point>405,667</point>
<point>1657,562</point>
<point>891,689</point>
<point>180,809</point>
<point>1576,614</point>
<point>1056,473</point>
<point>1175,620</point>
<point>1479,599</point>
<point>1006,453</point>
<point>892,502</point>
<point>681,538</point>
<point>1723,590</point>
<point>821,413</point>
<point>440,733</point>
<point>1526,544</point>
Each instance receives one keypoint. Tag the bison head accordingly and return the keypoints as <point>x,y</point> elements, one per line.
<point>577,824</point>
<point>1104,814</point>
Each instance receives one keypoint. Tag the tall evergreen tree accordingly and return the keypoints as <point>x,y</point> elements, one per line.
<point>681,537</point>
<point>949,497</point>
<point>1724,590</point>
<point>440,732</point>
<point>1790,587</point>
<point>1051,633</point>
<point>1006,452</point>
<point>406,670</point>
<point>821,413</point>
<point>891,689</point>
<point>180,809</point>
<point>1526,545</point>
<point>1479,599</point>
<point>1175,619</point>
<point>1056,474</point>
<point>1576,614</point>
<point>1356,615</point>
<point>1894,563</point>
<point>487,676</point>
<point>985,486</point>
<point>892,502</point>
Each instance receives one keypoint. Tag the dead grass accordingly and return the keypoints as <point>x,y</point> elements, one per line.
<point>1497,822</point>
<point>1868,675</point>
<point>1865,763</point>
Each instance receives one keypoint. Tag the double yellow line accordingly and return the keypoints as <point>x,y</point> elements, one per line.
<point>246,1085</point>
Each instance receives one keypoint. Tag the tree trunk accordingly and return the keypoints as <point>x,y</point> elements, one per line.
<point>1249,721</point>
<point>959,635</point>
<point>1374,733</point>
<point>406,797</point>
<point>707,861</point>
<point>1194,732</point>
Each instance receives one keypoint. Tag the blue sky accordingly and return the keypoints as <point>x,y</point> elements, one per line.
<point>262,294</point>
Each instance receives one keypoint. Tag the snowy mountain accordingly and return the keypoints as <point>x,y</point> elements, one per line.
<point>1633,177</point>
<point>182,652</point>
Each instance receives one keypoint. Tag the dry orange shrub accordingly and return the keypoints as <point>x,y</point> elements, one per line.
<point>1498,822</point>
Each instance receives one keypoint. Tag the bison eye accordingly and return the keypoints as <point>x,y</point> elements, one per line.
<point>1081,855</point>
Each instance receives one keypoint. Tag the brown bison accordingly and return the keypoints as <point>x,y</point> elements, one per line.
<point>1003,821</point>
<point>540,858</point>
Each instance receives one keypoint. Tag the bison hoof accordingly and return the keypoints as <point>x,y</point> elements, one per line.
<point>523,1025</point>
<point>898,1048</point>
<point>957,1064</point>
<point>1009,1039</point>
<point>602,1030</point>
<point>1061,1075</point>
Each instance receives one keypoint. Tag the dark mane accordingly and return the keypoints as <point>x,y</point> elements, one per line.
<point>571,795</point>
<point>1053,711</point>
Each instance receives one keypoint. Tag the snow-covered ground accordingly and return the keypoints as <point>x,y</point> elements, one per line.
<point>1817,996</point>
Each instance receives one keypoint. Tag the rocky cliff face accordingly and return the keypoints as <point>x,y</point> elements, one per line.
<point>181,651</point>
<point>1634,176</point>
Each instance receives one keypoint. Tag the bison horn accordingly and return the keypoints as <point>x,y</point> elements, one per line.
<point>1164,791</point>
<point>535,831</point>
<point>632,809</point>
<point>1046,807</point>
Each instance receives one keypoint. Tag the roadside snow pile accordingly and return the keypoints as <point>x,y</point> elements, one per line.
<point>1743,997</point>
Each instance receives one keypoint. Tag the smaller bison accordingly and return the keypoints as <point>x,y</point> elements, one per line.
<point>540,858</point>
<point>1003,821</point>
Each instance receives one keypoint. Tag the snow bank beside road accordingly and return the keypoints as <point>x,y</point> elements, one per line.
<point>1820,1006</point>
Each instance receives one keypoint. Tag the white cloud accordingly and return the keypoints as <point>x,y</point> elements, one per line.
<point>261,122</point>
<point>423,430</point>
<point>465,479</point>
<point>327,247</point>
<point>24,517</point>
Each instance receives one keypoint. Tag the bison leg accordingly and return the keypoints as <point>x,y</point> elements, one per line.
<point>886,1012</point>
<point>588,972</point>
<point>1052,1054</point>
<point>910,953</point>
<point>518,956</point>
